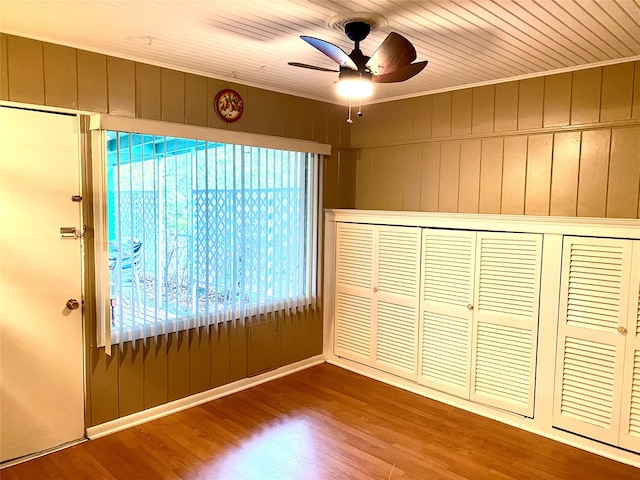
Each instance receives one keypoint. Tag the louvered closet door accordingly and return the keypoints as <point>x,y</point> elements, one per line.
<point>630,421</point>
<point>397,286</point>
<point>354,291</point>
<point>506,303</point>
<point>595,288</point>
<point>448,263</point>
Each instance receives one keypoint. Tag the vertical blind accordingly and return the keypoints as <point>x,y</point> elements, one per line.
<point>196,232</point>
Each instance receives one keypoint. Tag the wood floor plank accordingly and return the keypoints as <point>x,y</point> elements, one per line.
<point>322,423</point>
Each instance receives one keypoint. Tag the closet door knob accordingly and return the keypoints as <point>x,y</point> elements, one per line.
<point>470,307</point>
<point>375,289</point>
<point>622,330</point>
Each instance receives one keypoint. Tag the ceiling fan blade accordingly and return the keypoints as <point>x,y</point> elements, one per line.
<point>393,53</point>
<point>401,74</point>
<point>312,67</point>
<point>332,51</point>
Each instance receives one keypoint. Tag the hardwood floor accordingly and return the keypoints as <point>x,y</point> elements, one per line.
<point>322,423</point>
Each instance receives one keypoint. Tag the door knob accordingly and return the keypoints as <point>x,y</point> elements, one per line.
<point>622,330</point>
<point>72,304</point>
<point>470,307</point>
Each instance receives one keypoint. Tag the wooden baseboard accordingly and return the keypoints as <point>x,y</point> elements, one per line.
<point>198,399</point>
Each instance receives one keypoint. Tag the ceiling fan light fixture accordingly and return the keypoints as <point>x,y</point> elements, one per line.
<point>355,88</point>
<point>354,85</point>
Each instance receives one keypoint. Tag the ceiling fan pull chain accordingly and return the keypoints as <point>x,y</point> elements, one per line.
<point>359,108</point>
<point>349,121</point>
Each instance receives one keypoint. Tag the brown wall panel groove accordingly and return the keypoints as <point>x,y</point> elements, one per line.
<point>219,354</point>
<point>148,91</point>
<point>430,188</point>
<point>449,177</point>
<point>636,91</point>
<point>530,103</point>
<point>538,187</point>
<point>624,173</point>
<point>172,87</point>
<point>60,76</point>
<point>412,172</point>
<point>25,68</point>
<point>594,173</point>
<point>564,174</point>
<point>130,374</point>
<point>617,91</point>
<point>514,175</point>
<point>155,372</point>
<point>121,87</point>
<point>506,107</point>
<point>441,109</point>
<point>422,120</point>
<point>92,82</point>
<point>483,109</point>
<point>395,178</point>
<point>4,68</point>
<point>461,112</point>
<point>557,100</point>
<point>585,96</point>
<point>199,360</point>
<point>469,191</point>
<point>491,172</point>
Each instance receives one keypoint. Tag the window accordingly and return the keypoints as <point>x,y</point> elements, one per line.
<point>201,231</point>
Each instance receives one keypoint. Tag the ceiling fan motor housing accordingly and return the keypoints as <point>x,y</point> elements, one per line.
<point>347,73</point>
<point>357,31</point>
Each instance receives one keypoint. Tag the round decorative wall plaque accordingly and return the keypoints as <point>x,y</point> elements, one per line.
<point>229,105</point>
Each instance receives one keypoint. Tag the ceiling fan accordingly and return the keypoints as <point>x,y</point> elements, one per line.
<point>389,63</point>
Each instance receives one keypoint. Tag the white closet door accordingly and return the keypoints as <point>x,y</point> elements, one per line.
<point>397,286</point>
<point>630,422</point>
<point>594,295</point>
<point>448,260</point>
<point>354,291</point>
<point>505,331</point>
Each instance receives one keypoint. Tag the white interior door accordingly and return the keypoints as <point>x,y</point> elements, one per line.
<point>595,287</point>
<point>630,426</point>
<point>505,320</point>
<point>397,288</point>
<point>41,346</point>
<point>354,291</point>
<point>377,286</point>
<point>448,260</point>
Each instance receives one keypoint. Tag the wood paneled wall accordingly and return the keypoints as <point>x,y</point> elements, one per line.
<point>146,375</point>
<point>565,144</point>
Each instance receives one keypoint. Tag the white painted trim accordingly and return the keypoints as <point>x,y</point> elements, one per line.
<point>502,416</point>
<point>33,456</point>
<point>198,399</point>
<point>579,226</point>
<point>168,129</point>
<point>328,286</point>
<point>548,329</point>
<point>45,108</point>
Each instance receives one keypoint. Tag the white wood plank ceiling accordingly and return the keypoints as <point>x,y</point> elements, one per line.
<point>467,42</point>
